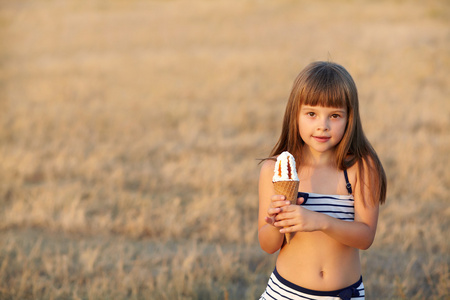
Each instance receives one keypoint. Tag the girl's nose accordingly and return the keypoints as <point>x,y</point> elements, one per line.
<point>323,125</point>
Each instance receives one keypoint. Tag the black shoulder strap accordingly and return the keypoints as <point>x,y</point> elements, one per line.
<point>349,185</point>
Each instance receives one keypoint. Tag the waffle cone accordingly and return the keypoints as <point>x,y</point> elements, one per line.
<point>290,190</point>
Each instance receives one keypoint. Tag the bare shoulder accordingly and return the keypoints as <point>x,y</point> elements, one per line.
<point>268,164</point>
<point>365,166</point>
<point>267,168</point>
<point>363,172</point>
<point>266,174</point>
<point>353,173</point>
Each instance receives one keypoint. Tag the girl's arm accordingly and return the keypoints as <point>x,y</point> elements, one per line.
<point>358,234</point>
<point>270,238</point>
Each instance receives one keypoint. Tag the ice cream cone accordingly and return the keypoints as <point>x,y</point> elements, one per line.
<point>290,190</point>
<point>285,180</point>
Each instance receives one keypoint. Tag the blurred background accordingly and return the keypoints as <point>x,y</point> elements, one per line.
<point>130,133</point>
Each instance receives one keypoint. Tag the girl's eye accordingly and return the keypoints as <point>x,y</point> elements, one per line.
<point>335,116</point>
<point>311,114</point>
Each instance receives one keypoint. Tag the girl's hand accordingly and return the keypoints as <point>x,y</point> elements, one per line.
<point>296,218</point>
<point>276,203</point>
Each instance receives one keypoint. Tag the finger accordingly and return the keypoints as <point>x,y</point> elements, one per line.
<point>288,229</point>
<point>283,216</point>
<point>273,211</point>
<point>269,220</point>
<point>277,198</point>
<point>283,223</point>
<point>281,203</point>
<point>300,200</point>
<point>277,204</point>
<point>287,208</point>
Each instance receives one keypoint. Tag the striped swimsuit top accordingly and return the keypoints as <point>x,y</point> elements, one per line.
<point>337,206</point>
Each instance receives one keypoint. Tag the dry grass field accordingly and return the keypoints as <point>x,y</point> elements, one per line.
<point>130,133</point>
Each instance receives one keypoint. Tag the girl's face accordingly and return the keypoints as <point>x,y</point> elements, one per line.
<point>322,128</point>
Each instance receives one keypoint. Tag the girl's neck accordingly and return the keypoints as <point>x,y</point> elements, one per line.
<point>316,159</point>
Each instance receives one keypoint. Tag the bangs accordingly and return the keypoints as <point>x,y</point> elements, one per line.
<point>325,87</point>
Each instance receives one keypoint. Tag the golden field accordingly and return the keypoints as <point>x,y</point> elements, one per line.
<point>130,133</point>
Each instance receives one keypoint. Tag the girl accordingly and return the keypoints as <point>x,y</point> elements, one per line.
<point>342,183</point>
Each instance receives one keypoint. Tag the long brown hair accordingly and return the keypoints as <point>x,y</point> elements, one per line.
<point>330,85</point>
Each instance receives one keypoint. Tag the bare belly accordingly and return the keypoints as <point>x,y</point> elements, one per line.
<point>317,262</point>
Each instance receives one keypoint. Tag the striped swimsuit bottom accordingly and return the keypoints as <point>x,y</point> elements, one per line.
<point>279,288</point>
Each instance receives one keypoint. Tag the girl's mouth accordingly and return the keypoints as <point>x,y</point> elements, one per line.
<point>321,139</point>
